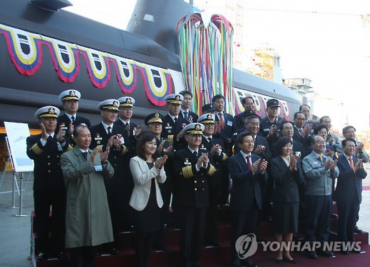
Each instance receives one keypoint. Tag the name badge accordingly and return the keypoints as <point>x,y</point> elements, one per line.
<point>229,123</point>
<point>98,138</point>
<point>168,127</point>
<point>187,163</point>
<point>316,164</point>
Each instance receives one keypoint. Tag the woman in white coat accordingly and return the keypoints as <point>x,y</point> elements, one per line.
<point>146,199</point>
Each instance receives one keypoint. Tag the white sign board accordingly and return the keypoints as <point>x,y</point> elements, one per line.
<point>17,134</point>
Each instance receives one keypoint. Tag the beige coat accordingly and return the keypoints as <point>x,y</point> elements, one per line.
<point>88,221</point>
<point>143,176</point>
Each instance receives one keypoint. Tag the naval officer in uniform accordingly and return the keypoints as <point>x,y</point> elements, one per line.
<point>193,170</point>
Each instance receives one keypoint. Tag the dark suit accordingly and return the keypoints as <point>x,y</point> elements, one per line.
<point>192,199</point>
<point>64,119</point>
<point>170,130</point>
<point>227,131</point>
<point>246,198</point>
<point>192,116</point>
<point>305,141</point>
<point>117,198</point>
<point>286,191</point>
<point>219,161</point>
<point>348,197</point>
<point>48,190</point>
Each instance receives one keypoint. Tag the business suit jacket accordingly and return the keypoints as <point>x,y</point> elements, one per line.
<point>193,117</point>
<point>143,176</point>
<point>349,183</point>
<point>305,141</point>
<point>117,158</point>
<point>88,220</point>
<point>286,180</point>
<point>246,185</point>
<point>64,119</point>
<point>191,190</point>
<point>218,160</point>
<point>227,131</point>
<point>170,131</point>
<point>47,171</point>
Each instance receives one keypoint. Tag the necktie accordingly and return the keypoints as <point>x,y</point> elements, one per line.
<point>319,157</point>
<point>175,120</point>
<point>351,163</point>
<point>209,139</point>
<point>186,115</point>
<point>109,130</point>
<point>221,120</point>
<point>85,155</point>
<point>50,138</point>
<point>195,154</point>
<point>249,162</point>
<point>73,119</point>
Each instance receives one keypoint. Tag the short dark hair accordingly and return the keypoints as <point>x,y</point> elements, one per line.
<point>251,117</point>
<point>323,117</point>
<point>285,122</point>
<point>298,112</point>
<point>245,99</point>
<point>145,137</point>
<point>344,141</point>
<point>304,105</point>
<point>345,129</point>
<point>281,142</point>
<point>319,127</point>
<point>217,97</point>
<point>240,137</point>
<point>186,92</point>
<point>76,128</point>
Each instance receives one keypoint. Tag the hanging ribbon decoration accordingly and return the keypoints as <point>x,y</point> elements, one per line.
<point>206,52</point>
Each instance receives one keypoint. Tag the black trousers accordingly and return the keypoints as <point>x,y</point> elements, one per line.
<point>143,247</point>
<point>192,224</point>
<point>318,209</point>
<point>83,256</point>
<point>242,222</point>
<point>212,214</point>
<point>44,202</point>
<point>158,236</point>
<point>347,212</point>
<point>116,209</point>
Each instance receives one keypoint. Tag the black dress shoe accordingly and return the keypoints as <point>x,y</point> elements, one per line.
<point>312,255</point>
<point>159,248</point>
<point>334,216</point>
<point>285,259</point>
<point>113,251</point>
<point>41,256</point>
<point>326,253</point>
<point>279,261</point>
<point>358,231</point>
<point>345,251</point>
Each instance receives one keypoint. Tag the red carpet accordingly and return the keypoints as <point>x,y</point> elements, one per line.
<point>220,256</point>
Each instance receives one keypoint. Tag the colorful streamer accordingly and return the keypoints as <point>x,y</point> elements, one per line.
<point>206,58</point>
